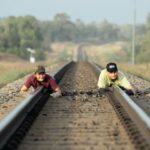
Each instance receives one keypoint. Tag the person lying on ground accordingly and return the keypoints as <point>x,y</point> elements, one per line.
<point>41,78</point>
<point>111,76</point>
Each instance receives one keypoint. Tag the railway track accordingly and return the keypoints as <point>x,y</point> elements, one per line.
<point>82,118</point>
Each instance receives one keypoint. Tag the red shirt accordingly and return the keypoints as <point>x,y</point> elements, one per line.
<point>48,82</point>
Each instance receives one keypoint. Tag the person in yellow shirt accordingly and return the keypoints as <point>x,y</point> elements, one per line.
<point>111,76</point>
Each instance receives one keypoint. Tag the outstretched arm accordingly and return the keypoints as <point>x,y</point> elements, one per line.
<point>23,89</point>
<point>58,91</point>
<point>126,86</point>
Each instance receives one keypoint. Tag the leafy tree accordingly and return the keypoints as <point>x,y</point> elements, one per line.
<point>19,33</point>
<point>108,32</point>
<point>63,28</point>
<point>29,32</point>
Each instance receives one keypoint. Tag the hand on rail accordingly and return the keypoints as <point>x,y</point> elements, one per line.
<point>107,89</point>
<point>56,94</point>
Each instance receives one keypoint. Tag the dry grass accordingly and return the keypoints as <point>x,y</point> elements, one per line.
<point>102,54</point>
<point>12,70</point>
<point>107,52</point>
<point>141,70</point>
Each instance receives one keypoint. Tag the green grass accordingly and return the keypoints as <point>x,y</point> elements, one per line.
<point>11,71</point>
<point>11,76</point>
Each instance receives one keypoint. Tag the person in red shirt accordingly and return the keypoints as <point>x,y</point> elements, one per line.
<point>40,78</point>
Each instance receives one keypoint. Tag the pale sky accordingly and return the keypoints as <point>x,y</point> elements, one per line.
<point>115,11</point>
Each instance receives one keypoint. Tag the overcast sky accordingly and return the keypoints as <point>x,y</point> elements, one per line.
<point>115,11</point>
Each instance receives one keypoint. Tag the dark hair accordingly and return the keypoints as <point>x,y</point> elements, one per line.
<point>40,69</point>
<point>111,67</point>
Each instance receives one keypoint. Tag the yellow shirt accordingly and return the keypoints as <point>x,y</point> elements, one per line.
<point>104,80</point>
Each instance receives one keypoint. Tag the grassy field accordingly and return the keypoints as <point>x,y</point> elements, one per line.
<point>11,71</point>
<point>141,70</point>
<point>13,68</point>
<point>114,52</point>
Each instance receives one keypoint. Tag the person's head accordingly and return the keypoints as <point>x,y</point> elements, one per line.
<point>112,70</point>
<point>40,73</point>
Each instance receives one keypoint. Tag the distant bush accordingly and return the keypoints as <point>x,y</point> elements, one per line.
<point>39,55</point>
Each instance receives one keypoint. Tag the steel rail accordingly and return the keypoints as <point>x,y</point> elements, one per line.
<point>14,119</point>
<point>136,114</point>
<point>141,119</point>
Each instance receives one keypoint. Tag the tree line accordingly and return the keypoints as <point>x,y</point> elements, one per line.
<point>19,33</point>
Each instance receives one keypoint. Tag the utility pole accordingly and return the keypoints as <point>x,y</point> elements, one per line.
<point>133,33</point>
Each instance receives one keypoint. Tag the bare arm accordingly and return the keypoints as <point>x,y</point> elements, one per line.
<point>23,89</point>
<point>58,90</point>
